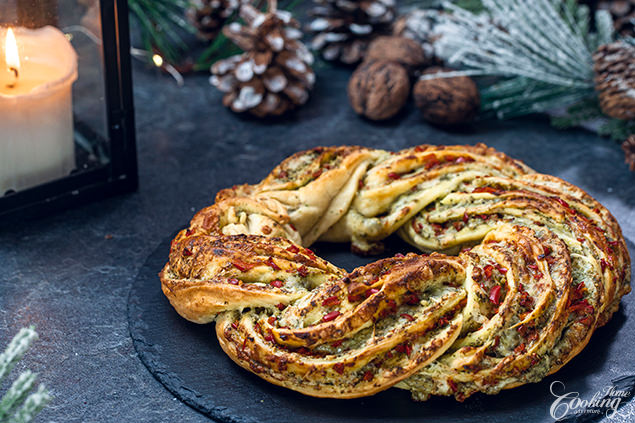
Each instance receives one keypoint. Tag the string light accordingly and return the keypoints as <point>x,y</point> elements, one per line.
<point>158,60</point>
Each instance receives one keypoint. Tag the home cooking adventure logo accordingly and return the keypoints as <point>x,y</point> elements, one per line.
<point>606,402</point>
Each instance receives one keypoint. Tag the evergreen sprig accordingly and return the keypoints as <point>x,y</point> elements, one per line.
<point>162,25</point>
<point>541,49</point>
<point>19,404</point>
<point>165,30</point>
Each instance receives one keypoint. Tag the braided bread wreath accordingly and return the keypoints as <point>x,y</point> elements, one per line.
<point>541,266</point>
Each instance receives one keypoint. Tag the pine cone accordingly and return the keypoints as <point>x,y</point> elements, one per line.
<point>344,28</point>
<point>209,16</point>
<point>423,26</point>
<point>623,13</point>
<point>629,152</point>
<point>615,79</point>
<point>274,74</point>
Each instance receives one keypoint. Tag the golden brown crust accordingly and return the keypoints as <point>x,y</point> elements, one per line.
<point>542,265</point>
<point>365,330</point>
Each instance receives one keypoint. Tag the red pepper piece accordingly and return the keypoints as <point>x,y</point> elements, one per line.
<point>235,325</point>
<point>452,385</point>
<point>582,307</point>
<point>331,301</point>
<point>330,316</point>
<point>438,229</point>
<point>520,349</point>
<point>412,299</point>
<point>604,264</point>
<point>465,217</point>
<point>280,306</point>
<point>271,320</point>
<point>562,202</point>
<point>404,349</point>
<point>277,283</point>
<point>242,266</point>
<point>488,190</point>
<point>394,176</point>
<point>578,293</point>
<point>431,161</point>
<point>339,368</point>
<point>368,376</point>
<point>293,249</point>
<point>488,270</point>
<point>269,262</point>
<point>337,343</point>
<point>495,294</point>
<point>407,317</point>
<point>303,271</point>
<point>233,281</point>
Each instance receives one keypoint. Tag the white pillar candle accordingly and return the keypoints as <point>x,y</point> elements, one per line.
<point>37,70</point>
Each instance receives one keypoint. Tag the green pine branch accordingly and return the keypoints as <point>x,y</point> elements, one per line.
<point>539,50</point>
<point>162,25</point>
<point>617,130</point>
<point>20,404</point>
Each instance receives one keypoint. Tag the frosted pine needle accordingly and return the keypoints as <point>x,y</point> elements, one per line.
<point>17,405</point>
<point>542,49</point>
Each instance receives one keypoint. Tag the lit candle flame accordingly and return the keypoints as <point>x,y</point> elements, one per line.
<point>11,55</point>
<point>11,51</point>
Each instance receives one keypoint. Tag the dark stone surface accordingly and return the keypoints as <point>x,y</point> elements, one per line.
<point>62,274</point>
<point>188,360</point>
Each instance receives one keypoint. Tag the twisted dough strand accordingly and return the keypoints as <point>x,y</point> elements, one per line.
<point>542,264</point>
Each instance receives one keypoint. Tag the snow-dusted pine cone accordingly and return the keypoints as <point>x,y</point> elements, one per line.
<point>274,73</point>
<point>623,13</point>
<point>209,16</point>
<point>343,28</point>
<point>423,26</point>
<point>615,79</point>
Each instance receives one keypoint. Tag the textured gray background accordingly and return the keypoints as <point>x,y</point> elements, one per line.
<point>61,274</point>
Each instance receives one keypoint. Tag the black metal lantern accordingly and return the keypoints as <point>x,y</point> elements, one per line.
<point>66,109</point>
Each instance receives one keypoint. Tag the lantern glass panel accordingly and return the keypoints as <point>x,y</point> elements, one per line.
<point>65,100</point>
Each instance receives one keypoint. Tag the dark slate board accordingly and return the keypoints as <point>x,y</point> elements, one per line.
<point>188,361</point>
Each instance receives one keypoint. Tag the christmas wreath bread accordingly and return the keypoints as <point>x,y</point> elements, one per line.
<point>540,266</point>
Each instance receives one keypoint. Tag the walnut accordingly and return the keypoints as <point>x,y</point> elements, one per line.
<point>397,49</point>
<point>379,89</point>
<point>447,101</point>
